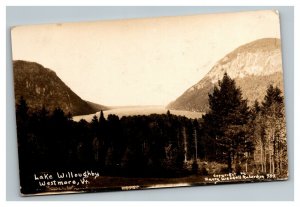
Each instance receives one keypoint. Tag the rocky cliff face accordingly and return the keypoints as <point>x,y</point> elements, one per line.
<point>254,66</point>
<point>42,87</point>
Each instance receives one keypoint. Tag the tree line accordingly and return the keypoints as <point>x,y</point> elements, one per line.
<point>157,144</point>
<point>242,138</point>
<point>251,139</point>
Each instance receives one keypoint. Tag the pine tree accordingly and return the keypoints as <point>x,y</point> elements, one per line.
<point>94,124</point>
<point>168,113</point>
<point>226,120</point>
<point>22,110</point>
<point>22,118</point>
<point>275,129</point>
<point>103,138</point>
<point>273,97</point>
<point>101,118</point>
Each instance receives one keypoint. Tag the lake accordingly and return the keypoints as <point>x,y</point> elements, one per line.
<point>139,110</point>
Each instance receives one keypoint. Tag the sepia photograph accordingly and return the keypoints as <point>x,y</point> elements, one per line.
<point>130,104</point>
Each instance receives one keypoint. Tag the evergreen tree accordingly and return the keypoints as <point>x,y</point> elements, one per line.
<point>22,118</point>
<point>226,121</point>
<point>95,124</point>
<point>272,98</point>
<point>22,110</point>
<point>169,113</point>
<point>104,139</point>
<point>275,130</point>
<point>95,120</point>
<point>101,118</point>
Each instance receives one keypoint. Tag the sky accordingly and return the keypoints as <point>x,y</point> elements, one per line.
<point>149,61</point>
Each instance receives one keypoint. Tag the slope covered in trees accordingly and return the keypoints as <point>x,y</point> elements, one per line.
<point>42,87</point>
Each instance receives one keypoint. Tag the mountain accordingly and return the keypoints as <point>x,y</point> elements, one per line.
<point>42,87</point>
<point>253,66</point>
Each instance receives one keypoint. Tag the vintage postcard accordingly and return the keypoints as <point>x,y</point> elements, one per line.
<point>149,103</point>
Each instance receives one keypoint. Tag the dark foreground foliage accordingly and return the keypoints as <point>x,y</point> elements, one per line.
<point>231,137</point>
